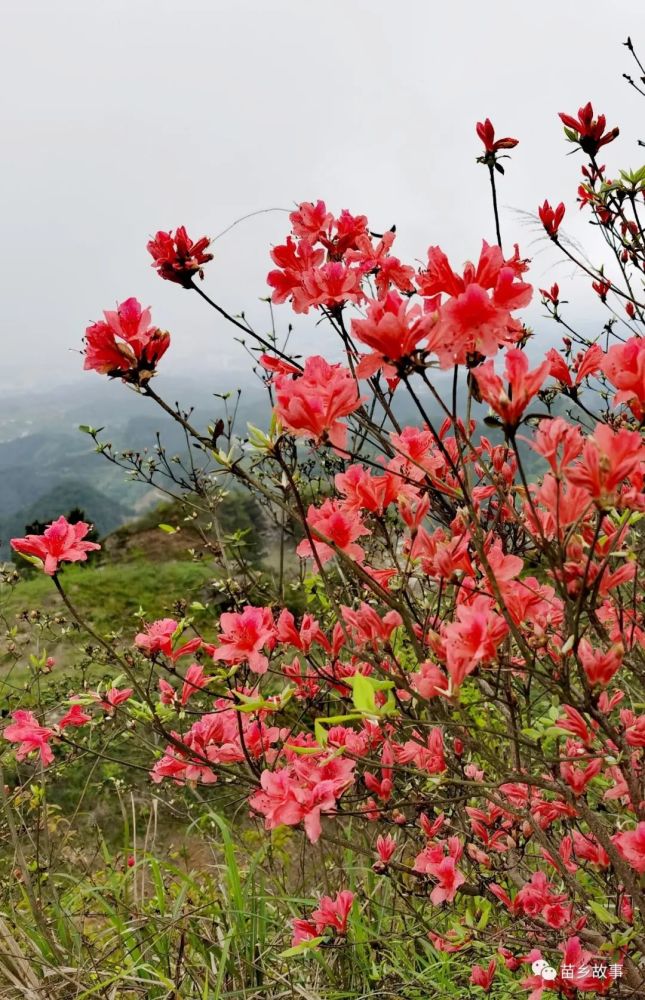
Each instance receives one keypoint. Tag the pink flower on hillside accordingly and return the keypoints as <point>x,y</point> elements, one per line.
<point>312,404</point>
<point>587,131</point>
<point>32,737</point>
<point>60,542</point>
<point>331,913</point>
<point>510,404</point>
<point>483,977</point>
<point>336,524</point>
<point>600,666</point>
<point>585,364</point>
<point>393,330</point>
<point>558,442</point>
<point>113,698</point>
<point>472,639</point>
<point>486,132</point>
<point>177,258</point>
<point>386,849</point>
<point>157,637</point>
<point>551,218</point>
<point>443,868</point>
<point>376,260</point>
<point>304,637</point>
<point>314,269</point>
<point>476,318</point>
<point>311,220</point>
<point>367,627</point>
<point>334,912</point>
<point>294,260</point>
<point>332,285</point>
<point>244,635</point>
<point>194,680</point>
<point>160,636</point>
<point>363,491</point>
<point>303,930</point>
<point>75,716</point>
<point>215,738</point>
<point>608,458</point>
<point>631,845</point>
<point>624,366</point>
<point>302,792</point>
<point>429,681</point>
<point>125,345</point>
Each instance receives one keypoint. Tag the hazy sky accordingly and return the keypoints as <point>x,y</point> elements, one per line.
<point>120,117</point>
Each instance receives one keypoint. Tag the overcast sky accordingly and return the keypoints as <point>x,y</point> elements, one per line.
<point>120,117</point>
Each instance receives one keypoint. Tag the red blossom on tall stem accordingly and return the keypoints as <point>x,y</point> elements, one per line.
<point>522,385</point>
<point>551,218</point>
<point>312,404</point>
<point>483,977</point>
<point>587,131</point>
<point>60,542</point>
<point>125,345</point>
<point>178,258</point>
<point>486,133</point>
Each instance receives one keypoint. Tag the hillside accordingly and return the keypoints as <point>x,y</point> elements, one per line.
<point>47,466</point>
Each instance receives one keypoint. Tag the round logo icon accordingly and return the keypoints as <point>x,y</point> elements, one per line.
<point>542,968</point>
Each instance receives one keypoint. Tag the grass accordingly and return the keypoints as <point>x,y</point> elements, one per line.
<point>164,929</point>
<point>112,595</point>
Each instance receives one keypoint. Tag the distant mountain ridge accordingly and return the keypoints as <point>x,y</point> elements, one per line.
<point>47,466</point>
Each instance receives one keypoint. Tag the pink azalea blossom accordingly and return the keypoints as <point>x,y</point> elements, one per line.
<point>312,404</point>
<point>60,542</point>
<point>335,524</point>
<point>244,635</point>
<point>32,737</point>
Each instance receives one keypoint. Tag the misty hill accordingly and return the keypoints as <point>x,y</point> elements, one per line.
<point>47,466</point>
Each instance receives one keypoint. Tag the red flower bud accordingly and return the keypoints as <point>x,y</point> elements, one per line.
<point>551,217</point>
<point>486,133</point>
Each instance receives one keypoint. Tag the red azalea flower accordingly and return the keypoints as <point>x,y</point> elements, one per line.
<point>588,132</point>
<point>244,635</point>
<point>27,731</point>
<point>125,345</point>
<point>486,133</point>
<point>113,698</point>
<point>483,977</point>
<point>551,294</point>
<point>522,385</point>
<point>337,524</point>
<point>551,217</point>
<point>177,258</point>
<point>385,848</point>
<point>75,716</point>
<point>311,404</point>
<point>60,542</point>
<point>601,288</point>
<point>624,366</point>
<point>476,317</point>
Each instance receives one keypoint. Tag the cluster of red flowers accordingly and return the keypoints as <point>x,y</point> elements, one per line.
<point>124,345</point>
<point>451,580</point>
<point>177,258</point>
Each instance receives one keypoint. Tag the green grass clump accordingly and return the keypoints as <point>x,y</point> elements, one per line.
<point>111,595</point>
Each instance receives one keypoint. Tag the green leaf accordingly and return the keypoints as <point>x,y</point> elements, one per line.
<point>168,529</point>
<point>300,949</point>
<point>603,913</point>
<point>34,560</point>
<point>364,694</point>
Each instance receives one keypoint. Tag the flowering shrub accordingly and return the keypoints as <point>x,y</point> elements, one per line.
<point>462,697</point>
